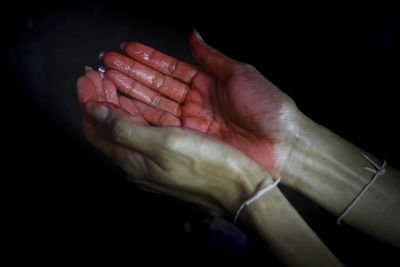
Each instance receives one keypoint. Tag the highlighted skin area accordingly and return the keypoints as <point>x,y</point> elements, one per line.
<point>230,101</point>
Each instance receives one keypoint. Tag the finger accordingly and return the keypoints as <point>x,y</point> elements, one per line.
<point>161,62</point>
<point>110,92</point>
<point>156,116</point>
<point>142,93</point>
<point>98,137</point>
<point>157,81</point>
<point>86,91</point>
<point>94,133</point>
<point>128,106</point>
<point>97,81</point>
<point>124,130</point>
<point>215,62</point>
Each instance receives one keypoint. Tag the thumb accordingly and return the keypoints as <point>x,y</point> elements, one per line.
<point>123,128</point>
<point>214,61</point>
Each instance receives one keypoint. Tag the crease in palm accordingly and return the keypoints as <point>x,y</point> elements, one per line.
<point>244,110</point>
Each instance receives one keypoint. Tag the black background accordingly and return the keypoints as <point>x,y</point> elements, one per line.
<point>66,202</point>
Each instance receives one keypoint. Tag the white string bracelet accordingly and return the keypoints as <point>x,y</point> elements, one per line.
<point>254,197</point>
<point>379,170</point>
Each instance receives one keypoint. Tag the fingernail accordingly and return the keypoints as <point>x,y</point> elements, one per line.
<point>102,70</point>
<point>101,55</point>
<point>88,68</point>
<point>197,35</point>
<point>98,111</point>
<point>122,46</point>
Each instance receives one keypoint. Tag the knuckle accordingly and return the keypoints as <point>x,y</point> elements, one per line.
<point>173,139</point>
<point>170,140</point>
<point>155,100</point>
<point>157,81</point>
<point>172,67</point>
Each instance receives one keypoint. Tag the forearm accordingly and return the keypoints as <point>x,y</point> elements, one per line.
<point>330,171</point>
<point>285,232</point>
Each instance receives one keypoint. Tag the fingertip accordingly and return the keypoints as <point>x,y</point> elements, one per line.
<point>117,61</point>
<point>93,75</point>
<point>170,106</point>
<point>197,35</point>
<point>139,51</point>
<point>171,120</point>
<point>184,94</point>
<point>197,47</point>
<point>122,46</point>
<point>178,111</point>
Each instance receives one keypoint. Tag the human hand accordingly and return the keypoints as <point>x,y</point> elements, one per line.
<point>195,167</point>
<point>170,160</point>
<point>227,99</point>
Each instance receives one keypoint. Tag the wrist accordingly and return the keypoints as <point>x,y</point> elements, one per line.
<point>302,152</point>
<point>324,166</point>
<point>251,177</point>
<point>300,132</point>
<point>278,224</point>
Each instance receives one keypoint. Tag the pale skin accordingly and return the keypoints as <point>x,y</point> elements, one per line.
<point>233,102</point>
<point>201,169</point>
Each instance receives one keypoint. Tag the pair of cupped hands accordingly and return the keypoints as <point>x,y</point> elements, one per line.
<point>212,134</point>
